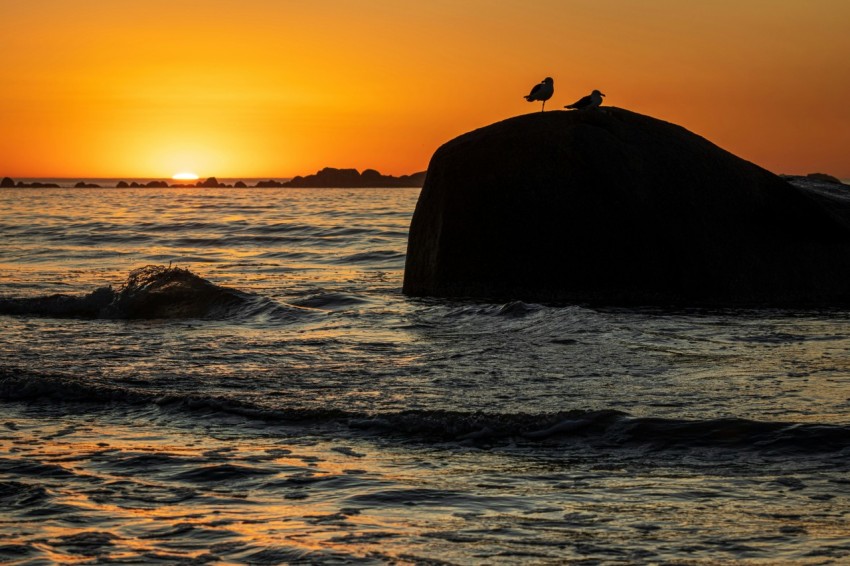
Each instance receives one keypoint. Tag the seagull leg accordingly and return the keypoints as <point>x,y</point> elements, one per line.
<point>544,107</point>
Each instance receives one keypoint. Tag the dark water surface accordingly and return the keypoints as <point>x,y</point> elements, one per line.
<point>290,404</point>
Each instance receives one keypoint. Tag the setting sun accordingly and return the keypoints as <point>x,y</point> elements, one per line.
<point>185,176</point>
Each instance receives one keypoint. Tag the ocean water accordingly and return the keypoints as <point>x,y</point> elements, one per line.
<point>273,398</point>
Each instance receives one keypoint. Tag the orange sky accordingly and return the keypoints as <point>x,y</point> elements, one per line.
<point>258,88</point>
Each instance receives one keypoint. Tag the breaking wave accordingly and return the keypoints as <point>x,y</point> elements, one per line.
<point>608,429</point>
<point>152,292</point>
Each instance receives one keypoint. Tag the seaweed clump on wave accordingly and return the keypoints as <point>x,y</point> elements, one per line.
<point>153,291</point>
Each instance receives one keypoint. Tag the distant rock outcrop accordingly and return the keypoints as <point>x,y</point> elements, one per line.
<point>35,185</point>
<point>209,183</point>
<point>84,185</point>
<point>824,178</point>
<point>9,183</point>
<point>148,185</point>
<point>270,184</point>
<point>613,207</point>
<point>413,180</point>
<point>330,177</point>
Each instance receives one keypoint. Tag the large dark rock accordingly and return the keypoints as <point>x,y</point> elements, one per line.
<point>613,207</point>
<point>7,182</point>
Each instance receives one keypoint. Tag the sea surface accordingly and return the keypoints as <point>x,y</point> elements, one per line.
<point>272,397</point>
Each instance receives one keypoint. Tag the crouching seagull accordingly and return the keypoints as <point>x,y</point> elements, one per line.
<point>592,100</point>
<point>542,91</point>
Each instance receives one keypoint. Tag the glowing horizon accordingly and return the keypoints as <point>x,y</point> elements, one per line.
<point>272,89</point>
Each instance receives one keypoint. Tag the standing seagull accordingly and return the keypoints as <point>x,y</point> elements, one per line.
<point>592,100</point>
<point>542,91</point>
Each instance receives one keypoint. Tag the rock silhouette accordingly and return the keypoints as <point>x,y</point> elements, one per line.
<point>210,183</point>
<point>330,177</point>
<point>617,208</point>
<point>8,183</point>
<point>823,177</point>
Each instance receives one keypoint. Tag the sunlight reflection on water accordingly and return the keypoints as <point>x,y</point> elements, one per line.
<point>230,490</point>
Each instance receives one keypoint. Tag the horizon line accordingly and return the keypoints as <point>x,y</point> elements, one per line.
<point>200,177</point>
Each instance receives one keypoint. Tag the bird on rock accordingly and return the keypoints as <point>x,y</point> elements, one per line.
<point>542,91</point>
<point>592,100</point>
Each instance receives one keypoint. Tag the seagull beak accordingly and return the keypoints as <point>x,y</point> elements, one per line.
<point>602,93</point>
